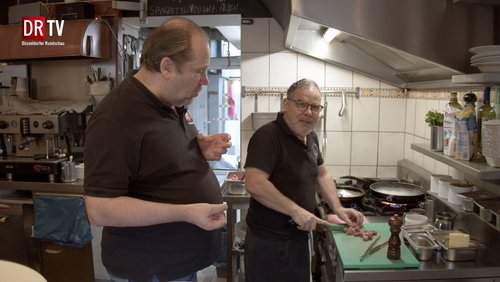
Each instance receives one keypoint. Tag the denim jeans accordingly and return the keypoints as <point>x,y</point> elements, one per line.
<point>116,278</point>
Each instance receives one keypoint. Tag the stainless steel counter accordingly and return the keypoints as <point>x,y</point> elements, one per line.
<point>485,268</point>
<point>44,187</point>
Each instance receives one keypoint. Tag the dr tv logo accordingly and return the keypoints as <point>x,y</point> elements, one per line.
<point>35,27</point>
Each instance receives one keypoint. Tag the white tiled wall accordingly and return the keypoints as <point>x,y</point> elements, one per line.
<point>375,131</point>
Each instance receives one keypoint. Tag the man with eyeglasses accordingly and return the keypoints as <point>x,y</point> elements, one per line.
<point>283,170</point>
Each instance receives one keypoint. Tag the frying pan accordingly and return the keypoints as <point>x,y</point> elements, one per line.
<point>397,192</point>
<point>349,194</point>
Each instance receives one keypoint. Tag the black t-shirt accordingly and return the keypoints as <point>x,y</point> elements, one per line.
<point>137,147</point>
<point>293,169</point>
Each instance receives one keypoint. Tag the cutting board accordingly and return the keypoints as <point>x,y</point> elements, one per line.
<point>351,247</point>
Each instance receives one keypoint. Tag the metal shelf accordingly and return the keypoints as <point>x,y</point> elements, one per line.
<point>477,169</point>
<point>477,78</point>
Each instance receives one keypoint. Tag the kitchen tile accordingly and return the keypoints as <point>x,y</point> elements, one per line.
<point>364,171</point>
<point>276,37</point>
<point>247,108</point>
<point>384,85</point>
<point>429,163</point>
<point>254,69</point>
<point>418,158</point>
<point>408,152</point>
<point>338,171</point>
<point>364,148</point>
<point>390,148</point>
<point>283,69</point>
<point>410,115</point>
<point>333,120</point>
<point>311,68</point>
<point>275,102</point>
<point>365,114</point>
<point>364,81</point>
<point>420,111</point>
<point>456,174</point>
<point>387,171</point>
<point>392,113</point>
<point>338,77</point>
<point>441,168</point>
<point>338,150</point>
<point>255,37</point>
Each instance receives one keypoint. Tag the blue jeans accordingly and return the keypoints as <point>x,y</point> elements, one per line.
<point>190,277</point>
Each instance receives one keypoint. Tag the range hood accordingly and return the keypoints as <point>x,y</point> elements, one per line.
<point>406,43</point>
<point>80,39</point>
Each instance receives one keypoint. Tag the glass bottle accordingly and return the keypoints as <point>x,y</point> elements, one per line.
<point>453,103</point>
<point>485,112</point>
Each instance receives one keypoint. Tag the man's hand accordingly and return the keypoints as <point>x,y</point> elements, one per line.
<point>207,216</point>
<point>214,146</point>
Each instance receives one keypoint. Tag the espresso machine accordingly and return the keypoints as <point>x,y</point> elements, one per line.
<point>33,146</point>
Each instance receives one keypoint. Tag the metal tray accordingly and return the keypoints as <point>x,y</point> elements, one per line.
<point>235,182</point>
<point>422,244</point>
<point>456,254</point>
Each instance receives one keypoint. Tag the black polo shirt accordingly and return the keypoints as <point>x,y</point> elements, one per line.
<point>137,147</point>
<point>293,169</point>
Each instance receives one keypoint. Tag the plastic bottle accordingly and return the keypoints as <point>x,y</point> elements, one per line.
<point>449,125</point>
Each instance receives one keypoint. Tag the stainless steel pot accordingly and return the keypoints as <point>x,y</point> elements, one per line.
<point>397,192</point>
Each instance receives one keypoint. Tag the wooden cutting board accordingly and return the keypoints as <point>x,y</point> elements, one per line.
<point>351,247</point>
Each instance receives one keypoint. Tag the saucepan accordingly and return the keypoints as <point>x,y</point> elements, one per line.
<point>397,192</point>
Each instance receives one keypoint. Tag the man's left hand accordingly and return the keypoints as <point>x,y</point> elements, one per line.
<point>214,146</point>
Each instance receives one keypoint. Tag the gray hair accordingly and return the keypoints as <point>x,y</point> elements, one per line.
<point>303,83</point>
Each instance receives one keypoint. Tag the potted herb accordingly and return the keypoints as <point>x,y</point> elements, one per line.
<point>435,121</point>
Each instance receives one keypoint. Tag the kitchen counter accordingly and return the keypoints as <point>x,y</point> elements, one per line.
<point>485,268</point>
<point>44,187</point>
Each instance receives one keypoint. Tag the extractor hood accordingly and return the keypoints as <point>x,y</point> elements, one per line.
<point>406,43</point>
<point>78,39</point>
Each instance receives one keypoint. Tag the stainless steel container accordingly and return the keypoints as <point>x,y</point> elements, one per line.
<point>235,182</point>
<point>437,138</point>
<point>422,244</point>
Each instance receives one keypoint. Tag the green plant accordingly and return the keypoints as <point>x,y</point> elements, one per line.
<point>434,118</point>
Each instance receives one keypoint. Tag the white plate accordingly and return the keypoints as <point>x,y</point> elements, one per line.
<point>485,49</point>
<point>486,59</point>
<point>488,67</point>
<point>478,56</point>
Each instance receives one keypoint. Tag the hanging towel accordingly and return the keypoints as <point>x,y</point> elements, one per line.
<point>61,219</point>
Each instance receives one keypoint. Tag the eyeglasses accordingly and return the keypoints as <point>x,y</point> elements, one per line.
<point>302,106</point>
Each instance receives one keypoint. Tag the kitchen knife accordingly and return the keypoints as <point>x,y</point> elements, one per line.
<point>330,226</point>
<point>372,249</point>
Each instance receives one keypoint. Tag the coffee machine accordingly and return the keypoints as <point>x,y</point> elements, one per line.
<point>33,146</point>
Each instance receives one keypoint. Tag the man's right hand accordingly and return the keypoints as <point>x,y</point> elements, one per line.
<point>207,216</point>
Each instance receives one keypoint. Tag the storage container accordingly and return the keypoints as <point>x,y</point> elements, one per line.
<point>235,182</point>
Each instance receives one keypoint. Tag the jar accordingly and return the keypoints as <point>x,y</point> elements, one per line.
<point>458,187</point>
<point>444,220</point>
<point>444,186</point>
<point>435,181</point>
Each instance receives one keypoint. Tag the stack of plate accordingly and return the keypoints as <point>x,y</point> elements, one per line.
<point>486,58</point>
<point>490,139</point>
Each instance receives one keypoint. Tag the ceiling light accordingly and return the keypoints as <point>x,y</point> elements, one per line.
<point>330,34</point>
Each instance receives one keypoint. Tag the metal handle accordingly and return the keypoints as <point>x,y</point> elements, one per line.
<point>342,107</point>
<point>53,251</point>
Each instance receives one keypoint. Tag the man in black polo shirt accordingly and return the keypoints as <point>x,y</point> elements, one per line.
<point>283,170</point>
<point>147,180</point>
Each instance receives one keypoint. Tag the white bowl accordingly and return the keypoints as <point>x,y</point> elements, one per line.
<point>414,219</point>
<point>456,188</point>
<point>486,49</point>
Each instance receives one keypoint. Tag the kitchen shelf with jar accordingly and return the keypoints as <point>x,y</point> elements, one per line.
<point>476,169</point>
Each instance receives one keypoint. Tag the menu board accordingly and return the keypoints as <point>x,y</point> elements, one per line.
<point>192,7</point>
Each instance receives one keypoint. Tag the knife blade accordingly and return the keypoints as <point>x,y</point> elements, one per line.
<point>372,250</point>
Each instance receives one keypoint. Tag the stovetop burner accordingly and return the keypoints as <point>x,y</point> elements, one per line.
<point>380,207</point>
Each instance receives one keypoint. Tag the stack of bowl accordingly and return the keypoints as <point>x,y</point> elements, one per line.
<point>486,58</point>
<point>490,139</point>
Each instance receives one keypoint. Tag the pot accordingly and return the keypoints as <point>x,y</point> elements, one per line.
<point>349,194</point>
<point>397,192</point>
